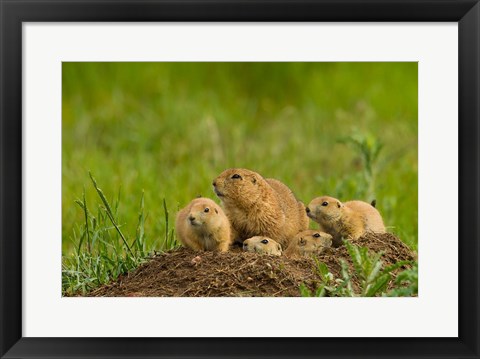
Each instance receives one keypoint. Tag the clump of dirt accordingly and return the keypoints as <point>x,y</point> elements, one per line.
<point>183,272</point>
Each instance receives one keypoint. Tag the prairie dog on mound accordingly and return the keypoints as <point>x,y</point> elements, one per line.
<point>309,242</point>
<point>259,207</point>
<point>349,220</point>
<point>262,245</point>
<point>202,225</point>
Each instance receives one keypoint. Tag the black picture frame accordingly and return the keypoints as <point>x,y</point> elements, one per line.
<point>14,12</point>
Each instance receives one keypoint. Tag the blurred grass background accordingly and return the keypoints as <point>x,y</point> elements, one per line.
<point>169,128</point>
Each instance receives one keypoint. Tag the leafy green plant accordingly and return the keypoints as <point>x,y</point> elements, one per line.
<point>369,148</point>
<point>330,286</point>
<point>407,282</point>
<point>368,269</point>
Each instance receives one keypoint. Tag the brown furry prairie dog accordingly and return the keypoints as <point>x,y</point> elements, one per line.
<point>262,245</point>
<point>349,220</point>
<point>202,225</point>
<point>257,206</point>
<point>309,242</point>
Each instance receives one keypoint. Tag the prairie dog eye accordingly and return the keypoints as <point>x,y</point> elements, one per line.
<point>325,204</point>
<point>206,209</point>
<point>316,235</point>
<point>302,242</point>
<point>264,241</point>
<point>236,176</point>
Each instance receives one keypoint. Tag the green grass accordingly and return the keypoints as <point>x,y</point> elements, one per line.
<point>154,135</point>
<point>101,250</point>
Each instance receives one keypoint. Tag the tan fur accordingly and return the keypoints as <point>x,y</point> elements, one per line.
<point>259,207</point>
<point>308,242</point>
<point>203,231</point>
<point>349,220</point>
<point>255,245</point>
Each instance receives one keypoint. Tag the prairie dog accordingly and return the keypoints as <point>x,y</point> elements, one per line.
<point>202,225</point>
<point>259,207</point>
<point>309,242</point>
<point>262,245</point>
<point>349,220</point>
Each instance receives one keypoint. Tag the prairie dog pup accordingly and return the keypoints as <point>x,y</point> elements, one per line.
<point>309,242</point>
<point>349,220</point>
<point>202,225</point>
<point>262,245</point>
<point>259,207</point>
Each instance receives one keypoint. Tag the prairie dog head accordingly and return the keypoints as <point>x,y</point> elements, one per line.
<point>205,213</point>
<point>309,242</point>
<point>324,209</point>
<point>238,186</point>
<point>262,245</point>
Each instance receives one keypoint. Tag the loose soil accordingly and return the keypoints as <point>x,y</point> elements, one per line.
<point>186,273</point>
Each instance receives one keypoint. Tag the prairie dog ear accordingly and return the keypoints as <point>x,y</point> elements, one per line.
<point>279,247</point>
<point>339,204</point>
<point>254,180</point>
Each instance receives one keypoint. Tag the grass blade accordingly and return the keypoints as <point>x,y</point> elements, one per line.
<point>108,211</point>
<point>86,222</point>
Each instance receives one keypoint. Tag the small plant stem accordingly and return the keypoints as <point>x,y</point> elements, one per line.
<point>109,212</point>
<point>86,221</point>
<point>166,221</point>
<point>119,231</point>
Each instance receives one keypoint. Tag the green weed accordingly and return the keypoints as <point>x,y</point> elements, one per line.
<point>373,277</point>
<point>369,148</point>
<point>406,282</point>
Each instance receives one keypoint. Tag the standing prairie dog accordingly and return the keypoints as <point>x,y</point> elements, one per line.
<point>257,206</point>
<point>308,242</point>
<point>349,220</point>
<point>202,225</point>
<point>262,245</point>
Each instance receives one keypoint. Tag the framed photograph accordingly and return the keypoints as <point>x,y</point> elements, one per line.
<point>239,179</point>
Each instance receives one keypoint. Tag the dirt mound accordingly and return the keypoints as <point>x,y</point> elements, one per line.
<point>183,272</point>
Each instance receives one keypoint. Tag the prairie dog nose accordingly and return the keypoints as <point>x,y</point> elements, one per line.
<point>214,184</point>
<point>307,210</point>
<point>191,218</point>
